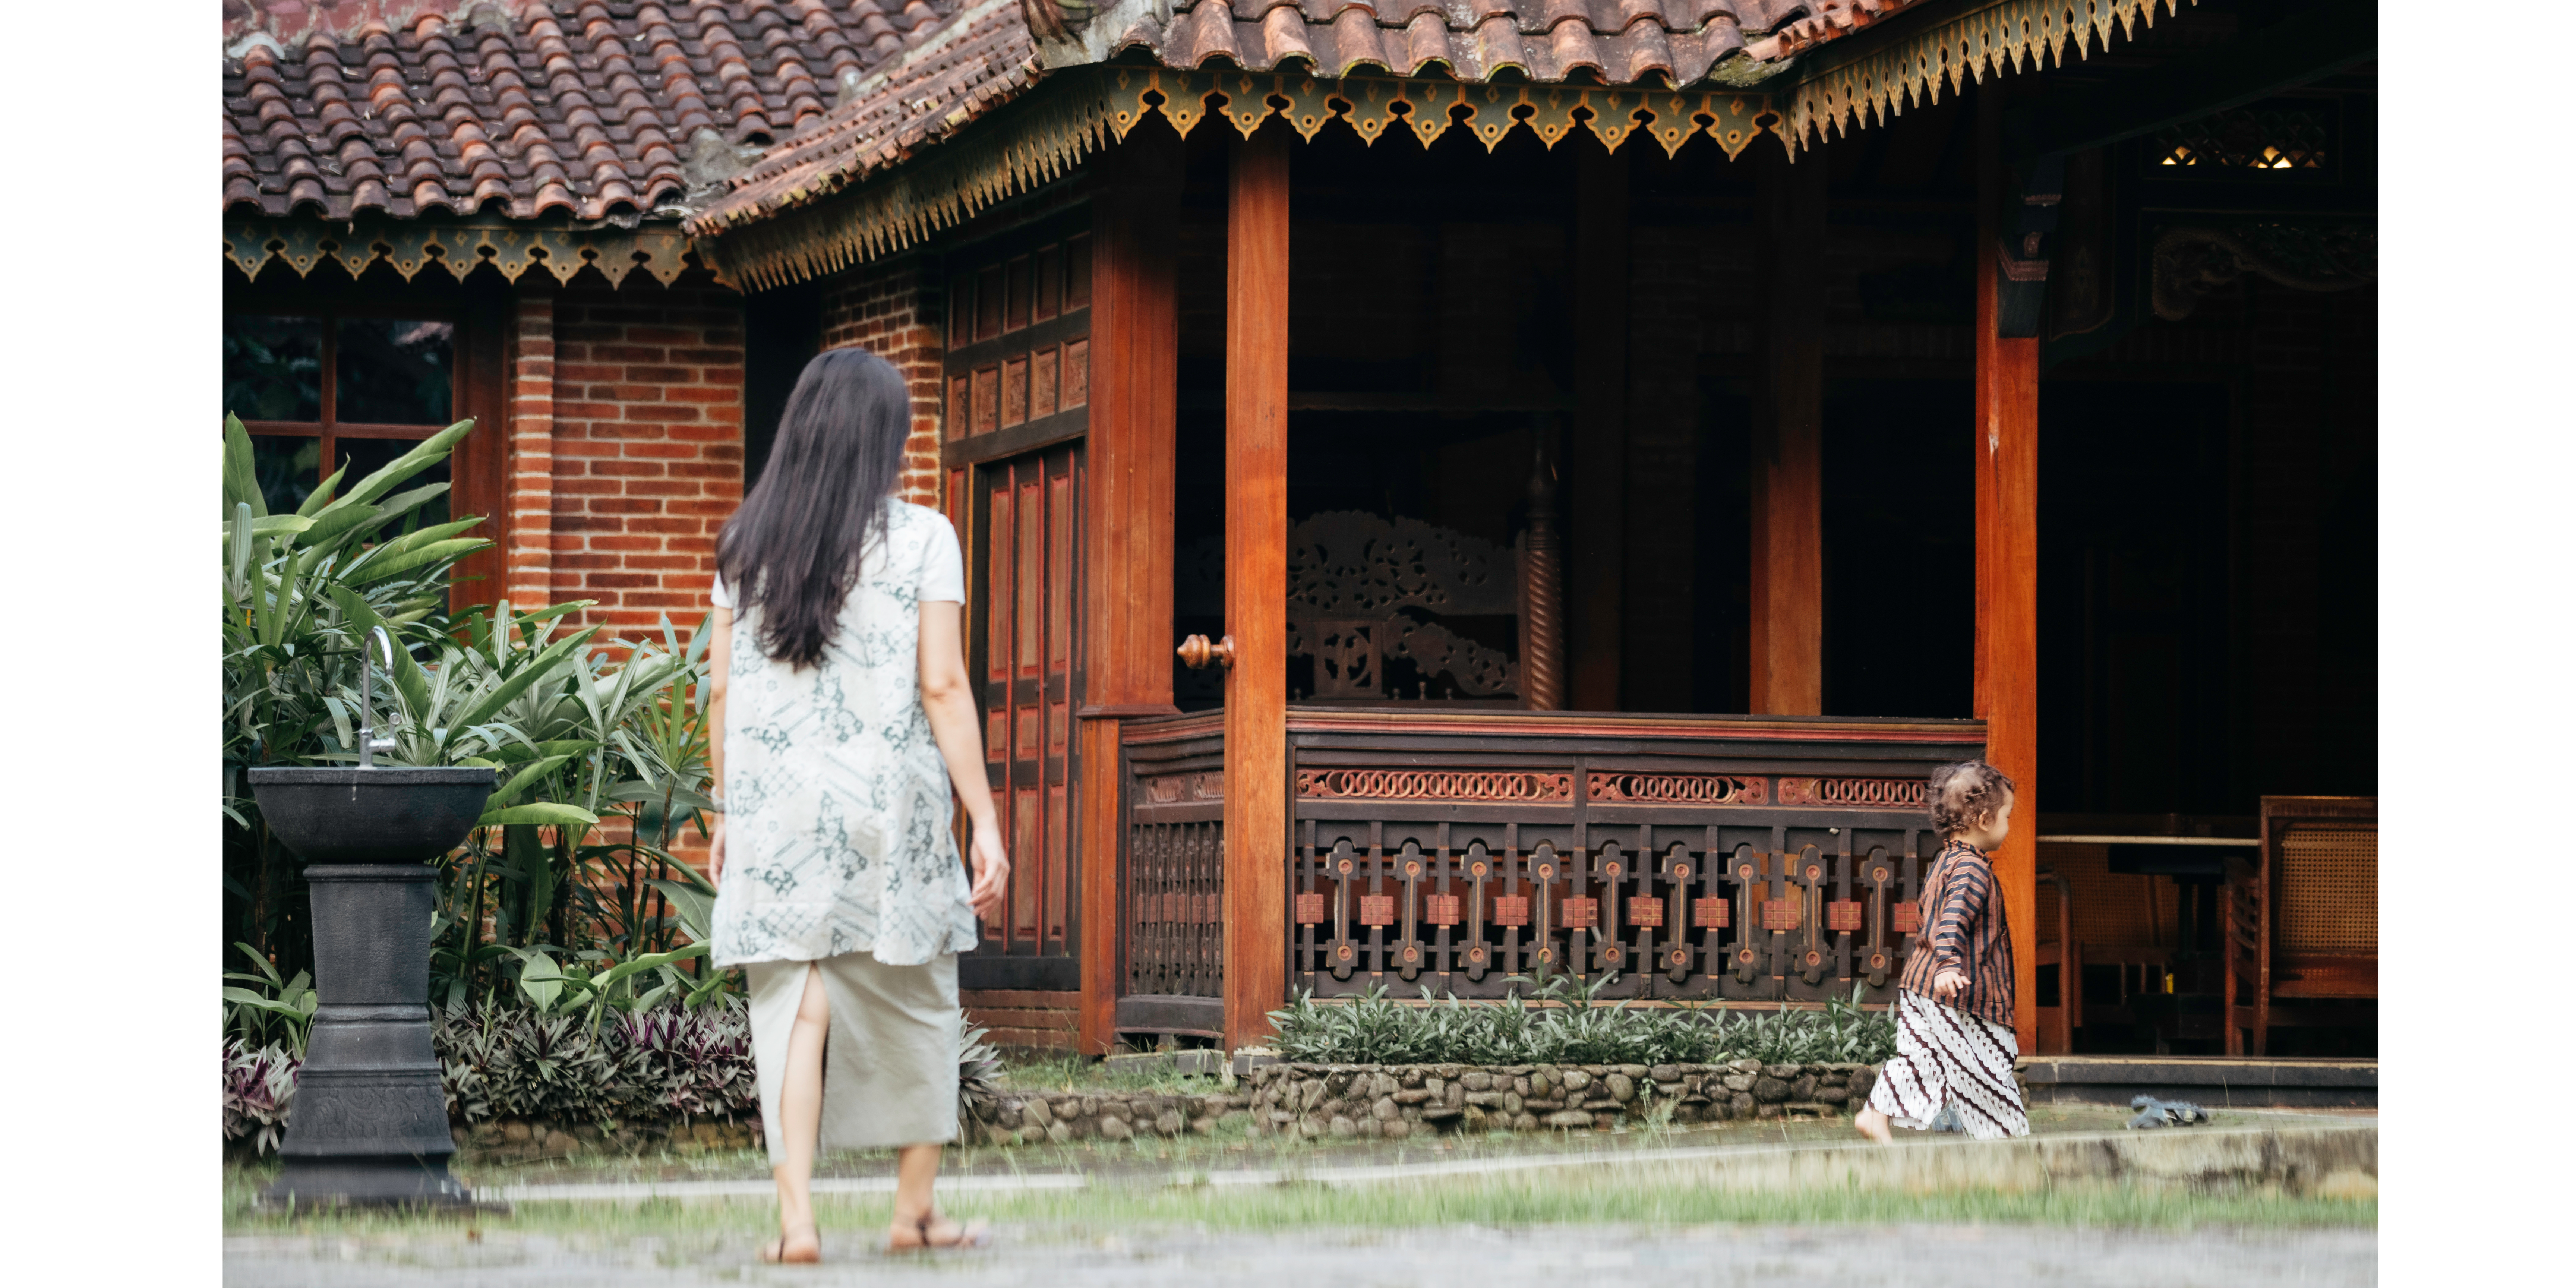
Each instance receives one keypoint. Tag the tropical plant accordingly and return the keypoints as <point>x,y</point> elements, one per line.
<point>567,890</point>
<point>1564,1021</point>
<point>283,1015</point>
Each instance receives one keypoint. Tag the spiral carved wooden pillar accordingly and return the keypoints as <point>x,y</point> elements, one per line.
<point>1542,589</point>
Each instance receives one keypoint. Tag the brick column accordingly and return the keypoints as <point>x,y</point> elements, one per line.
<point>531,486</point>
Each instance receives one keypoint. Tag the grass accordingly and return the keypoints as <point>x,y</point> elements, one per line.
<point>1068,1072</point>
<point>1511,1200</point>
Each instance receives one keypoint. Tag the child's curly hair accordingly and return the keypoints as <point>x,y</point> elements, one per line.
<point>1965,795</point>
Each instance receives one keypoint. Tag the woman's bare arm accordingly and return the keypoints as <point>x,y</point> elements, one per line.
<point>948,697</point>
<point>719,668</point>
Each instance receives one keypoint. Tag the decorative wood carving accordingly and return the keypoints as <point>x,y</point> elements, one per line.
<point>1432,784</point>
<point>1675,789</point>
<point>1346,563</point>
<point>2191,262</point>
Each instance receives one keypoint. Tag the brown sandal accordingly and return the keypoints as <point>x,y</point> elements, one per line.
<point>774,1252</point>
<point>967,1236</point>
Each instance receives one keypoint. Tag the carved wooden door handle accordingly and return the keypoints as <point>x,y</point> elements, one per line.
<point>1196,653</point>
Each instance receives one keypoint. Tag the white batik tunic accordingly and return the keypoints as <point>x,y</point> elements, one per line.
<point>838,815</point>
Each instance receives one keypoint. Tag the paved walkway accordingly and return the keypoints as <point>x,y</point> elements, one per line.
<point>1714,1256</point>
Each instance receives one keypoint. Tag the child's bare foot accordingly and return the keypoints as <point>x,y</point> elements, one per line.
<point>803,1247</point>
<point>1873,1124</point>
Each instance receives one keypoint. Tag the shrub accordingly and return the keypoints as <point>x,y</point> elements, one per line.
<point>1579,1029</point>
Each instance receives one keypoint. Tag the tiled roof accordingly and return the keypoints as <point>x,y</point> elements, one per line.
<point>976,60</point>
<point>592,108</point>
<point>1623,42</point>
<point>985,55</point>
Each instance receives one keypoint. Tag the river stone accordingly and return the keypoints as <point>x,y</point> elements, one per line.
<point>1743,1104</point>
<point>1665,1073</point>
<point>1477,1081</point>
<point>1457,1094</point>
<point>1832,1095</point>
<point>1115,1129</point>
<point>1444,1115</point>
<point>1576,1079</point>
<point>1784,1072</point>
<point>1542,1082</point>
<point>1622,1088</point>
<point>1438,1087</point>
<point>1747,1066</point>
<point>1170,1123</point>
<point>1412,1096</point>
<point>1384,1109</point>
<point>1569,1118</point>
<point>1525,1122</point>
<point>1630,1071</point>
<point>1512,1101</point>
<point>1344,1128</point>
<point>1523,1085</point>
<point>1803,1088</point>
<point>1862,1081</point>
<point>1770,1090</point>
<point>1738,1081</point>
<point>1369,1129</point>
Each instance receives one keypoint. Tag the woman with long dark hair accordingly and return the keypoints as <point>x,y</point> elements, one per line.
<point>839,719</point>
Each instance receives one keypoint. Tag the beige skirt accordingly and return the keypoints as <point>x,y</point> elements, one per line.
<point>890,1062</point>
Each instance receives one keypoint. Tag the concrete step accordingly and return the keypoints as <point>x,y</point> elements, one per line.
<point>2211,1081</point>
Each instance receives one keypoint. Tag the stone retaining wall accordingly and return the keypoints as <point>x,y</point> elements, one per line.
<point>1395,1101</point>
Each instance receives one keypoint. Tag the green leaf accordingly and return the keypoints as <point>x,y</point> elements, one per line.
<point>321,496</point>
<point>241,474</point>
<point>539,978</point>
<point>374,570</point>
<point>541,814</point>
<point>520,781</point>
<point>695,908</point>
<point>271,526</point>
<point>543,665</point>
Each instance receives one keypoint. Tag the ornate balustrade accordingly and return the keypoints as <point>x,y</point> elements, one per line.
<point>1738,859</point>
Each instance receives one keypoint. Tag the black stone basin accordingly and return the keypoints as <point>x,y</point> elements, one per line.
<point>386,814</point>
<point>369,1124</point>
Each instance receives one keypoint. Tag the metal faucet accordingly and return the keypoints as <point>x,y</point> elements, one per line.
<point>368,743</point>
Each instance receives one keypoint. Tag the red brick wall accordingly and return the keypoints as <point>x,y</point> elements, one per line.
<point>894,311</point>
<point>647,446</point>
<point>529,553</point>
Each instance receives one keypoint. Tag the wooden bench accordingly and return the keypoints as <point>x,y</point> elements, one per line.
<point>2302,916</point>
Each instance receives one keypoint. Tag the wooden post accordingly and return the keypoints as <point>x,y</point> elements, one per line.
<point>1788,573</point>
<point>2007,597</point>
<point>1127,530</point>
<point>1599,453</point>
<point>1256,584</point>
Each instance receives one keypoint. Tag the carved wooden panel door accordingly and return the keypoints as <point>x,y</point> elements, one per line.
<point>1018,379</point>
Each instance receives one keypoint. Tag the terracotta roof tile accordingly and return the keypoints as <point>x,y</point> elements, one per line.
<point>982,55</point>
<point>519,108</point>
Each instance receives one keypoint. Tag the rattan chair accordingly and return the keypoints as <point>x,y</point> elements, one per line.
<point>2302,917</point>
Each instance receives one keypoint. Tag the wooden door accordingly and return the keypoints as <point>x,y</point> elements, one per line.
<point>1017,372</point>
<point>1028,534</point>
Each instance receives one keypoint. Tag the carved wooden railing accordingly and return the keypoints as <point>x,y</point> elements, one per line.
<point>1737,859</point>
<point>1171,877</point>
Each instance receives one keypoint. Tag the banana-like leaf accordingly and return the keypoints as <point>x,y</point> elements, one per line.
<point>396,506</point>
<point>322,534</point>
<point>539,978</point>
<point>519,782</point>
<point>429,451</point>
<point>271,526</point>
<point>375,570</point>
<point>322,495</point>
<point>237,581</point>
<point>241,474</point>
<point>540,814</point>
<point>695,908</point>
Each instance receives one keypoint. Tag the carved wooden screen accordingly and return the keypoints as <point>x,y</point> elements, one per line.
<point>1017,379</point>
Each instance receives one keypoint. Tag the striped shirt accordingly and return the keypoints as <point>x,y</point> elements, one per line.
<point>1964,930</point>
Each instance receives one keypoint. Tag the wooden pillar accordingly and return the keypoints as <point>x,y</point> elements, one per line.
<point>1127,522</point>
<point>1788,548</point>
<point>1256,584</point>
<point>2007,647</point>
<point>1599,452</point>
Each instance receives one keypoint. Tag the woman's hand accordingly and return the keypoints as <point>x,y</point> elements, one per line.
<point>715,854</point>
<point>1948,985</point>
<point>992,872</point>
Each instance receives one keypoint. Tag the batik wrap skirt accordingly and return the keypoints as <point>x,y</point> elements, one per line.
<point>890,1062</point>
<point>1945,1056</point>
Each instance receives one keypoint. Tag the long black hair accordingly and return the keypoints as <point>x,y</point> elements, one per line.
<point>793,548</point>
